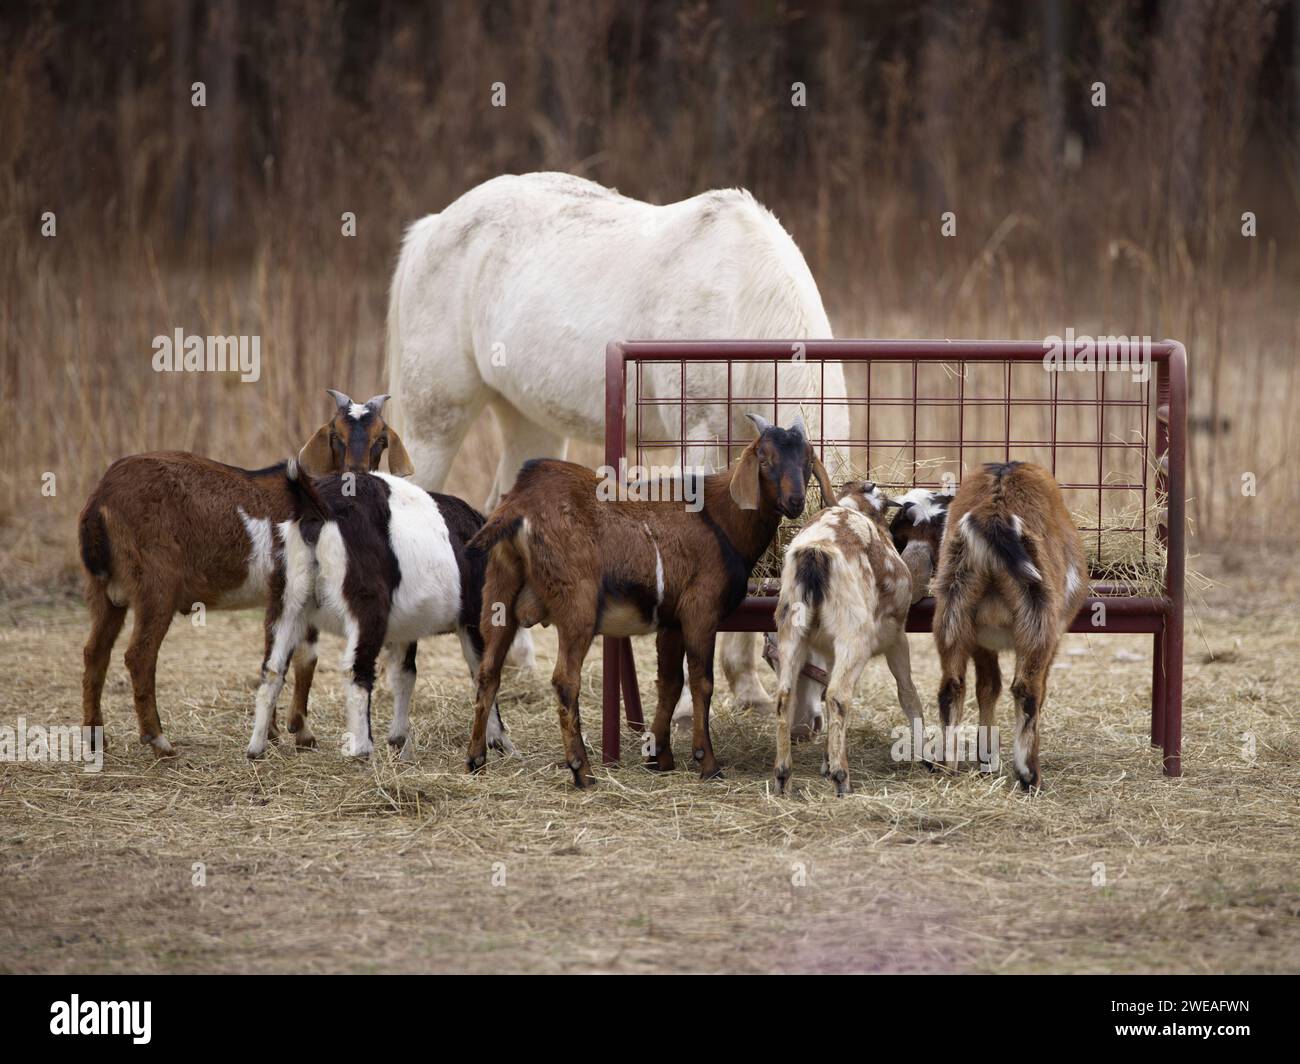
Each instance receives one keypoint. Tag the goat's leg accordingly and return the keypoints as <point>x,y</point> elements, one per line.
<point>850,660</point>
<point>792,651</point>
<point>401,678</point>
<point>471,645</point>
<point>567,681</point>
<point>671,681</point>
<point>699,659</point>
<point>304,670</point>
<point>899,659</point>
<point>357,739</point>
<point>153,616</point>
<point>1029,689</point>
<point>988,685</point>
<point>952,697</point>
<point>105,624</point>
<point>498,624</point>
<point>285,631</point>
<point>272,730</point>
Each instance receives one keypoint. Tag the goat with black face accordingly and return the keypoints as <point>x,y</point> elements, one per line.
<point>556,552</point>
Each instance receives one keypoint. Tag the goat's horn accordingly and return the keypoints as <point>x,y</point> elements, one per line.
<point>343,401</point>
<point>797,425</point>
<point>760,422</point>
<point>376,404</point>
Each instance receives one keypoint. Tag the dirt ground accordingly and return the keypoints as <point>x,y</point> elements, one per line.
<point>307,863</point>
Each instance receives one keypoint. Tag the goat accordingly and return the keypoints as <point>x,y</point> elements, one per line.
<point>1012,574</point>
<point>508,297</point>
<point>845,593</point>
<point>556,553</point>
<point>382,563</point>
<point>916,531</point>
<point>165,531</point>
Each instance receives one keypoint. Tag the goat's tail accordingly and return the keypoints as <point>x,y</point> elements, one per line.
<point>92,536</point>
<point>809,584</point>
<point>309,509</point>
<point>500,526</point>
<point>993,537</point>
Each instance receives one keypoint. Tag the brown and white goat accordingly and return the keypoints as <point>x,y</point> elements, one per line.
<point>165,531</point>
<point>845,593</point>
<point>916,531</point>
<point>558,553</point>
<point>1012,575</point>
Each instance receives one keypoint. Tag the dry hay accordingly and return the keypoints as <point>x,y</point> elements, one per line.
<point>1119,556</point>
<point>317,864</point>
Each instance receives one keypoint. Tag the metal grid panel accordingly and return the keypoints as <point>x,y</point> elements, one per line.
<point>1095,465</point>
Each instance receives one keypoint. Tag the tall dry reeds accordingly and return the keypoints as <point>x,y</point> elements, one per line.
<point>227,219</point>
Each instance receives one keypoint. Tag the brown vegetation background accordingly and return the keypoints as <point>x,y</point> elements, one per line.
<point>225,219</point>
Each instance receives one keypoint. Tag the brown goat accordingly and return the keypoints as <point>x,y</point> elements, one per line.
<point>166,531</point>
<point>557,553</point>
<point>1012,575</point>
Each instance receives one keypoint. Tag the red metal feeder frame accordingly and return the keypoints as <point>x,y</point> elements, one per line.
<point>1124,612</point>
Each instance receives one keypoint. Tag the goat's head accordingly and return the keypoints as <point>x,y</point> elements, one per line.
<point>774,470</point>
<point>922,515</point>
<point>866,497</point>
<point>353,440</point>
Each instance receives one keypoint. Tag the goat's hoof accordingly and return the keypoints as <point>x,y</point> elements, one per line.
<point>661,762</point>
<point>304,740</point>
<point>582,777</point>
<point>780,781</point>
<point>254,751</point>
<point>1031,783</point>
<point>503,746</point>
<point>842,784</point>
<point>98,739</point>
<point>930,766</point>
<point>161,747</point>
<point>475,762</point>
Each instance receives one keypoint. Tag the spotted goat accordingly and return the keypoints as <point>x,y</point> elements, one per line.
<point>1012,575</point>
<point>167,531</point>
<point>382,563</point>
<point>845,593</point>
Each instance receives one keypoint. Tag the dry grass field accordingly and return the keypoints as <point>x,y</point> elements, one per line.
<point>314,864</point>
<point>1171,211</point>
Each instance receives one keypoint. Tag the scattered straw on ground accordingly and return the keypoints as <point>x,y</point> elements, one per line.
<point>311,863</point>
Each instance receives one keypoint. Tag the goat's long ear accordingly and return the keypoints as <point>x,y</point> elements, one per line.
<point>399,462</point>
<point>744,480</point>
<point>823,481</point>
<point>316,458</point>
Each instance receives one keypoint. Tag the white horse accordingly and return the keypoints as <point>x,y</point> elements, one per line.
<point>508,297</point>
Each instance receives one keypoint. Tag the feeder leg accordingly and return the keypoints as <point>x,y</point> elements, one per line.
<point>1158,693</point>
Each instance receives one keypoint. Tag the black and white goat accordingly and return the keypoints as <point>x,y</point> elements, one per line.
<point>383,563</point>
